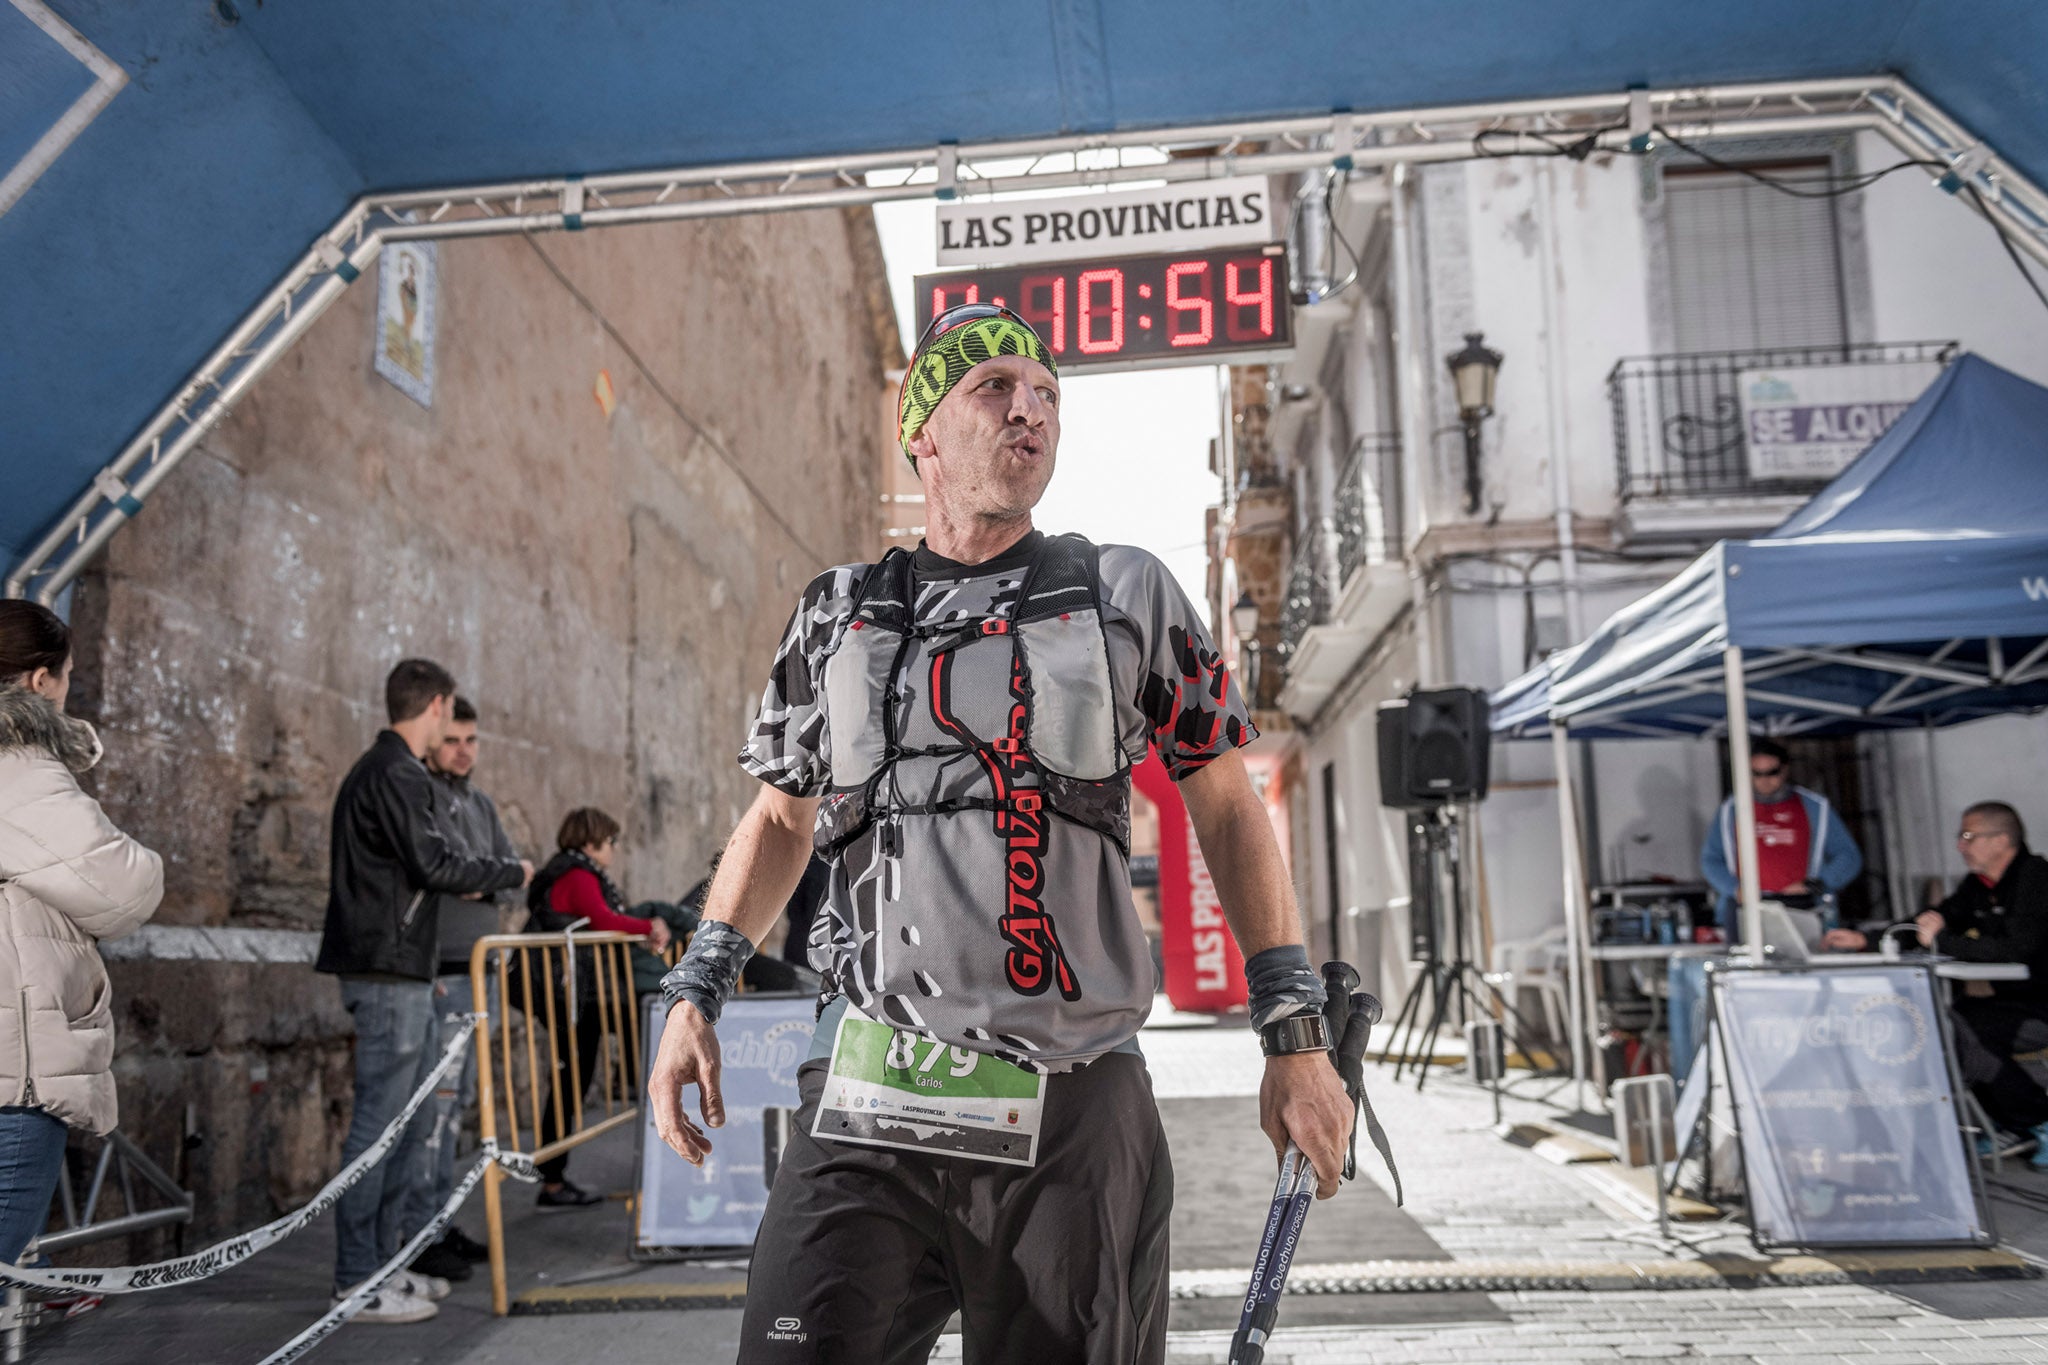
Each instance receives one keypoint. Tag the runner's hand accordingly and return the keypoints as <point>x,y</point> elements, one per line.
<point>689,1056</point>
<point>1302,1098</point>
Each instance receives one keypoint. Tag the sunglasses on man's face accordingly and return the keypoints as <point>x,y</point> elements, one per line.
<point>1767,772</point>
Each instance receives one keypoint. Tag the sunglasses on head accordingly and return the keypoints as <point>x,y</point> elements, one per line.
<point>959,315</point>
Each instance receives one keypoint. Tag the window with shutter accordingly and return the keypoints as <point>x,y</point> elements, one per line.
<point>1752,266</point>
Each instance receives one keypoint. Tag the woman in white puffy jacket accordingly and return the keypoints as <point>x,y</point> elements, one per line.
<point>68,879</point>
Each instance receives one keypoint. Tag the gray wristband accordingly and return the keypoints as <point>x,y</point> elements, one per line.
<point>710,971</point>
<point>1282,985</point>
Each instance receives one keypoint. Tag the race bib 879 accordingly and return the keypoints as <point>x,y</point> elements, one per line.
<point>889,1087</point>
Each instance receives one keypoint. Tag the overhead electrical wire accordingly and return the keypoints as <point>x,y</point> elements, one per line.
<point>1837,186</point>
<point>2005,240</point>
<point>1584,145</point>
<point>1833,186</point>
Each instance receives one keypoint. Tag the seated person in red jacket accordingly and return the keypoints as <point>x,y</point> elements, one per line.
<point>576,886</point>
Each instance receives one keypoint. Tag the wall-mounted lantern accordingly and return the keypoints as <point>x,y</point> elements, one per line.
<point>1473,372</point>
<point>1244,623</point>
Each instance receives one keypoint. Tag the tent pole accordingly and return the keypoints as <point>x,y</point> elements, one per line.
<point>1934,815</point>
<point>1574,914</point>
<point>1752,909</point>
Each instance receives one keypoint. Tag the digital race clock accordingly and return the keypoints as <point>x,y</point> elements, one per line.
<point>1180,308</point>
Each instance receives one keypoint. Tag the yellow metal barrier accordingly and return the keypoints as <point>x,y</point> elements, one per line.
<point>544,990</point>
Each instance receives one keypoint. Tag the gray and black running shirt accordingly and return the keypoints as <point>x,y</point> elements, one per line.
<point>909,928</point>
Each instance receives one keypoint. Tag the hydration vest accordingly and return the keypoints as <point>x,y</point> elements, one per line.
<point>1059,754</point>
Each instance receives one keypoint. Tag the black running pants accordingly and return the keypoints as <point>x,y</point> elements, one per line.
<point>864,1253</point>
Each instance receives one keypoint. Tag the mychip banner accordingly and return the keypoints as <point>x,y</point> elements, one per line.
<point>762,1039</point>
<point>1850,1129</point>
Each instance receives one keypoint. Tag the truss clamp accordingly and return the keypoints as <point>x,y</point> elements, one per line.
<point>335,261</point>
<point>1964,167</point>
<point>949,170</point>
<point>572,206</point>
<point>116,492</point>
<point>1343,137</point>
<point>1640,122</point>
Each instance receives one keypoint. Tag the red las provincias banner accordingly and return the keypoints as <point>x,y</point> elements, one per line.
<point>1204,970</point>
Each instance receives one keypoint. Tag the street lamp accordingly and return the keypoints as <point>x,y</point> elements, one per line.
<point>1244,623</point>
<point>1473,371</point>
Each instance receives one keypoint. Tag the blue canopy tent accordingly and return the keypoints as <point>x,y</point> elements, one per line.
<point>183,188</point>
<point>1912,591</point>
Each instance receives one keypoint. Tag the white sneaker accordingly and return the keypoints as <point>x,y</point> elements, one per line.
<point>392,1306</point>
<point>431,1288</point>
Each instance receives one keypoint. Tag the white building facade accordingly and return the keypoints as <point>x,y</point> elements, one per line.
<point>1624,292</point>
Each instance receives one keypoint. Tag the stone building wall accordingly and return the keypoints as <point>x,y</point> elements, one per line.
<point>609,590</point>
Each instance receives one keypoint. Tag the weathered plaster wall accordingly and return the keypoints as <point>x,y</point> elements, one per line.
<point>609,591</point>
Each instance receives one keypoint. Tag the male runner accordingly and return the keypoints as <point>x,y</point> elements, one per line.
<point>955,730</point>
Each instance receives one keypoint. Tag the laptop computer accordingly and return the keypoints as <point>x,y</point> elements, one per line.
<point>1791,935</point>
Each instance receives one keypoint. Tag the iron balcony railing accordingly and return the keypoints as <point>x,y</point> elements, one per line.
<point>1364,529</point>
<point>1308,590</point>
<point>1369,505</point>
<point>1678,425</point>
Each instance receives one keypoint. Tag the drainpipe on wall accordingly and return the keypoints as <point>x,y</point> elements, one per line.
<point>1557,399</point>
<point>1559,435</point>
<point>1409,360</point>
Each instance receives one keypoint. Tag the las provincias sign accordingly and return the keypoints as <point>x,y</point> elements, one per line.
<point>1188,216</point>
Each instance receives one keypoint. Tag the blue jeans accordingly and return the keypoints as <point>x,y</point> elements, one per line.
<point>1687,981</point>
<point>31,1159</point>
<point>395,1030</point>
<point>452,1000</point>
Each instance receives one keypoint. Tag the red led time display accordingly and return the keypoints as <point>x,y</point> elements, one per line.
<point>1174,309</point>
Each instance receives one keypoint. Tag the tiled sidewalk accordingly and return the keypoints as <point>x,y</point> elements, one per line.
<point>1737,1327</point>
<point>1483,1199</point>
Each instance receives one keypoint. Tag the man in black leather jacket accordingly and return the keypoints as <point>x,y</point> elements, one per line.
<point>387,861</point>
<point>1999,913</point>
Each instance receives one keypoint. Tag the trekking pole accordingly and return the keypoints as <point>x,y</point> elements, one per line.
<point>1351,1017</point>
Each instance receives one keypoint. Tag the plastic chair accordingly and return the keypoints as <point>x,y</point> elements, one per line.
<point>1539,964</point>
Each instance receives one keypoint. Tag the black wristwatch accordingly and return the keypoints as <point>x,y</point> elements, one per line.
<point>1296,1033</point>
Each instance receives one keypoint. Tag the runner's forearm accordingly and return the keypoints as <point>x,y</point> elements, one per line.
<point>762,863</point>
<point>1242,855</point>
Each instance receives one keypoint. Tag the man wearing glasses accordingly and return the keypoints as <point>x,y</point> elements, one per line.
<point>1997,913</point>
<point>1804,853</point>
<point>954,731</point>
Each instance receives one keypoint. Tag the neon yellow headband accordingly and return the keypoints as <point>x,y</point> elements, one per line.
<point>951,347</point>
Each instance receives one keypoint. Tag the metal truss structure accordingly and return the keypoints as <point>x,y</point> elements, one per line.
<point>1578,125</point>
<point>1954,669</point>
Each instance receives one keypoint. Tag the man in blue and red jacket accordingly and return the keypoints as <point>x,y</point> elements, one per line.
<point>1802,846</point>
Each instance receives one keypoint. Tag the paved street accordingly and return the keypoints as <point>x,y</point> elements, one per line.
<point>1474,1201</point>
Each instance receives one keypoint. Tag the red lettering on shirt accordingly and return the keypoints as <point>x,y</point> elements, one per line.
<point>1034,959</point>
<point>1784,844</point>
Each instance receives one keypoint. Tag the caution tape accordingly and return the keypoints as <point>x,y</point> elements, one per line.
<point>517,1165</point>
<point>221,1256</point>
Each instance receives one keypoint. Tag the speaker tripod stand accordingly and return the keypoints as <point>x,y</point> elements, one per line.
<point>1447,985</point>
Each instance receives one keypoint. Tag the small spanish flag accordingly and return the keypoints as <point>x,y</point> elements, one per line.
<point>607,398</point>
